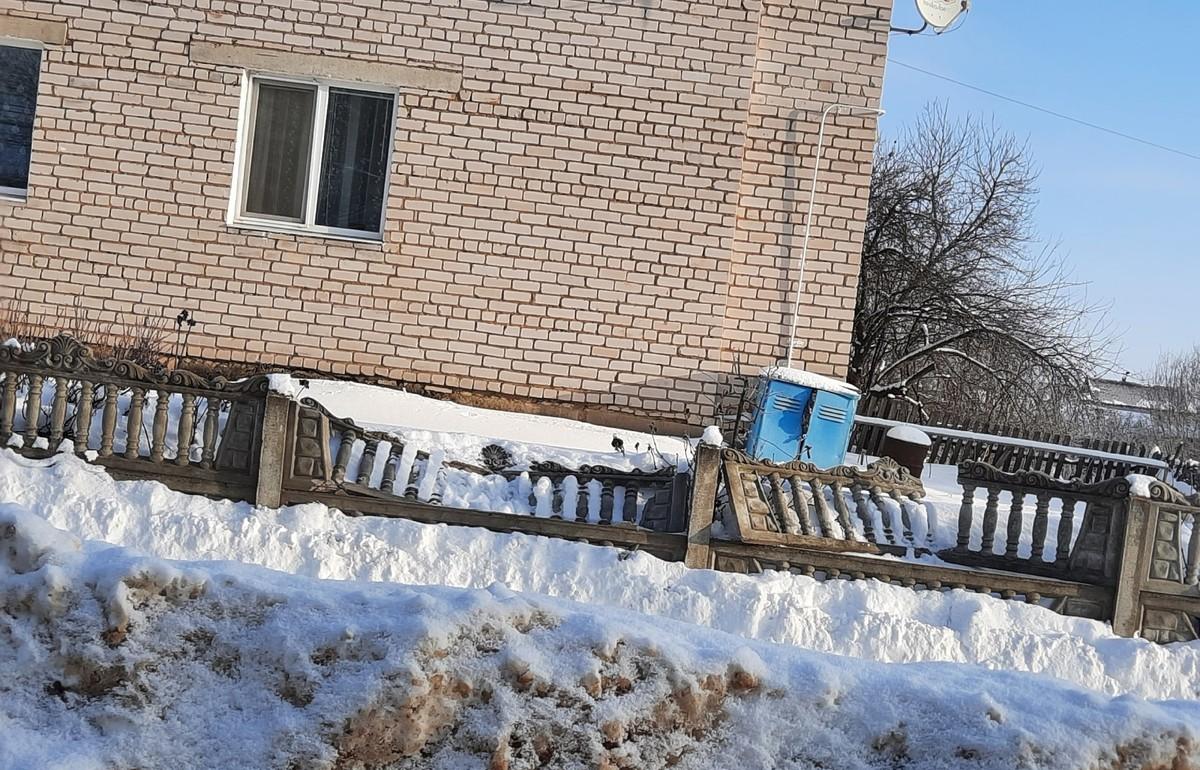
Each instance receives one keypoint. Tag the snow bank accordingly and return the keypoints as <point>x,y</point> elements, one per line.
<point>862,619</point>
<point>114,659</point>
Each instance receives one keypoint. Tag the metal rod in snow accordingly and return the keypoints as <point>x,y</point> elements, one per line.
<point>1148,462</point>
<point>812,198</point>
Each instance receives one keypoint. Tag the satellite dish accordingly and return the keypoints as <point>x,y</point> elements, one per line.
<point>940,14</point>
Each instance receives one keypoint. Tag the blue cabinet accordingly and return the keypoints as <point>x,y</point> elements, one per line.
<point>778,426</point>
<point>797,421</point>
<point>829,426</point>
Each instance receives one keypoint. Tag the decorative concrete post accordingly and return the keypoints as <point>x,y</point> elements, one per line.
<point>272,451</point>
<point>1127,610</point>
<point>703,503</point>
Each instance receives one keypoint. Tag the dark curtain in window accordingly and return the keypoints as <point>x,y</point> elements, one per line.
<point>354,169</point>
<point>18,99</point>
<point>280,151</point>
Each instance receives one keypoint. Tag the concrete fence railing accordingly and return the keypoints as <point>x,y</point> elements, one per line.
<point>198,434</point>
<point>1122,550</point>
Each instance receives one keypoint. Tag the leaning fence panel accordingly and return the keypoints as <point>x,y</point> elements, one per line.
<point>332,455</point>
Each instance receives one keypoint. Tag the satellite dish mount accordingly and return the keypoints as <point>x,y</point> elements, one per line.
<point>939,14</point>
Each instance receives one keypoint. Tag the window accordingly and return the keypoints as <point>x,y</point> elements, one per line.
<point>19,65</point>
<point>314,158</point>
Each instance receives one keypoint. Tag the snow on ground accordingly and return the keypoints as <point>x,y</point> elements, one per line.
<point>117,659</point>
<point>943,497</point>
<point>120,433</point>
<point>862,619</point>
<point>129,661</point>
<point>462,431</point>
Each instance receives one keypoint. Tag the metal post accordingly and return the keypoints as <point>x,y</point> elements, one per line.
<point>812,196</point>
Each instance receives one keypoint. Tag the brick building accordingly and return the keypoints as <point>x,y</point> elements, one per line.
<point>592,204</point>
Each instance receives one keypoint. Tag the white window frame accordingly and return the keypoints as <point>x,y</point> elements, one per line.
<point>237,216</point>
<point>21,194</point>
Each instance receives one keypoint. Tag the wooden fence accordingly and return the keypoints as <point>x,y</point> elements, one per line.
<point>984,446</point>
<point>1113,551</point>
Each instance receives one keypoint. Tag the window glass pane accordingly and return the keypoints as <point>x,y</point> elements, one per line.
<point>18,97</point>
<point>279,150</point>
<point>355,166</point>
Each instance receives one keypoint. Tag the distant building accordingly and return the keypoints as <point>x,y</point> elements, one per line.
<point>1128,398</point>
<point>585,204</point>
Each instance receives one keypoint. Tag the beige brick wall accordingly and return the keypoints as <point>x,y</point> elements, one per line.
<point>607,213</point>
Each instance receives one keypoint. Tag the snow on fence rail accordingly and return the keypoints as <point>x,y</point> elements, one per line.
<point>955,445</point>
<point>1130,557</point>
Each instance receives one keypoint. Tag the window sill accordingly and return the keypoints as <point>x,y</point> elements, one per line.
<point>286,228</point>
<point>8,195</point>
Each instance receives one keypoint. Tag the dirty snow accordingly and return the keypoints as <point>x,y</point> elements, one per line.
<point>117,659</point>
<point>861,619</point>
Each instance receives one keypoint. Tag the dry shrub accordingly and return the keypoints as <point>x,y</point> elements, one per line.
<point>18,320</point>
<point>142,339</point>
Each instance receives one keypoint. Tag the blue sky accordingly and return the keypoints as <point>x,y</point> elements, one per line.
<point>1124,215</point>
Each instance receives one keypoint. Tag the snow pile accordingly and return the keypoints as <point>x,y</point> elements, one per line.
<point>1139,484</point>
<point>712,436</point>
<point>910,434</point>
<point>114,659</point>
<point>285,385</point>
<point>863,619</point>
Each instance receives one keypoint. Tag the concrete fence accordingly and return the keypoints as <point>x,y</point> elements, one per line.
<point>1121,550</point>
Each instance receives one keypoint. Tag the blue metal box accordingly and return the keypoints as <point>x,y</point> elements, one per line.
<point>802,421</point>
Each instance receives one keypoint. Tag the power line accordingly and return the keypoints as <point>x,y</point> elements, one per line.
<point>1047,111</point>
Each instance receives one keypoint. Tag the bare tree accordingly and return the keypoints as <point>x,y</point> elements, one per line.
<point>1164,412</point>
<point>1173,399</point>
<point>958,310</point>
